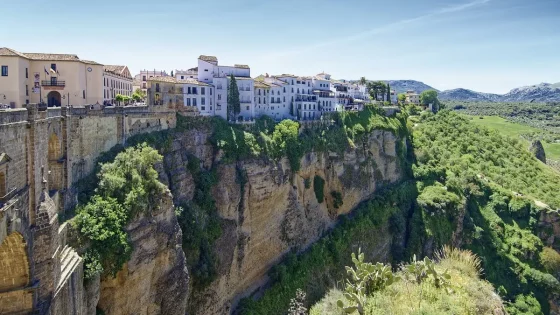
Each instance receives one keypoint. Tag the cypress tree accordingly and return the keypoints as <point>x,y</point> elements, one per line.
<point>234,105</point>
<point>388,92</point>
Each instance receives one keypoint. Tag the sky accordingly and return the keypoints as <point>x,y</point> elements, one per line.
<point>483,45</point>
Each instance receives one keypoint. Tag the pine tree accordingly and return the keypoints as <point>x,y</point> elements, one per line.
<point>388,92</point>
<point>234,105</point>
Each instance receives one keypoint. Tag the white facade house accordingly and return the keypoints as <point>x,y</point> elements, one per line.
<point>191,73</point>
<point>116,80</point>
<point>199,95</point>
<point>322,89</point>
<point>210,72</point>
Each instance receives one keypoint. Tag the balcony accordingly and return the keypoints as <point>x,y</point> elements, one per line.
<point>53,83</point>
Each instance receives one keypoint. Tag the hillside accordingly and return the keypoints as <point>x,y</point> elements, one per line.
<point>469,187</point>
<point>402,86</point>
<point>467,95</point>
<point>544,92</point>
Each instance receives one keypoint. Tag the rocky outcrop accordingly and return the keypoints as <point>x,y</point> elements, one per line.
<point>538,150</point>
<point>155,279</point>
<point>275,211</point>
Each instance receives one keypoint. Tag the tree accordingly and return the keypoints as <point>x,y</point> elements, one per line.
<point>141,93</point>
<point>234,105</point>
<point>172,73</point>
<point>376,89</point>
<point>402,98</point>
<point>363,81</point>
<point>136,97</point>
<point>119,98</point>
<point>430,97</point>
<point>388,93</point>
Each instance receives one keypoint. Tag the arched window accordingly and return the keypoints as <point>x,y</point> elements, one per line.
<point>3,190</point>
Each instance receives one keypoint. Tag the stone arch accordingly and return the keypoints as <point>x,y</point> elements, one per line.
<point>14,273</point>
<point>55,163</point>
<point>53,99</point>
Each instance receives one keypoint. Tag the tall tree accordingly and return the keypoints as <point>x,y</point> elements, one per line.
<point>234,105</point>
<point>363,81</point>
<point>388,92</point>
<point>172,73</point>
<point>402,98</point>
<point>429,97</point>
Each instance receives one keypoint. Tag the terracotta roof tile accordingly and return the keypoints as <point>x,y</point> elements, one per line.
<point>208,58</point>
<point>53,57</point>
<point>242,66</point>
<point>5,51</point>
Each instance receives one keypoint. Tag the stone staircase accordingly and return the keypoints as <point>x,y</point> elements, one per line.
<point>69,261</point>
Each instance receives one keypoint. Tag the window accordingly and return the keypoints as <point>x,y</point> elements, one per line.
<point>26,90</point>
<point>277,100</point>
<point>202,91</point>
<point>143,78</point>
<point>202,107</point>
<point>292,90</point>
<point>194,101</point>
<point>259,92</point>
<point>157,87</point>
<point>259,100</point>
<point>4,71</point>
<point>284,98</point>
<point>194,90</point>
<point>84,94</point>
<point>203,101</point>
<point>247,107</point>
<point>189,90</point>
<point>219,97</point>
<point>284,89</point>
<point>210,103</point>
<point>292,83</point>
<point>189,101</point>
<point>182,77</point>
<point>53,66</point>
<point>26,73</point>
<point>144,85</point>
<point>206,70</point>
<point>210,91</point>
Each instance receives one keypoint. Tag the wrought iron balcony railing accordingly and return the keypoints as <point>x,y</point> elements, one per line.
<point>53,83</point>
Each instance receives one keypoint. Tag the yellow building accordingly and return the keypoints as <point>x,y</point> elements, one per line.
<point>412,97</point>
<point>54,79</point>
<point>116,80</point>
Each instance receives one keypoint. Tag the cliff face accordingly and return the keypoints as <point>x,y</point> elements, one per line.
<point>155,279</point>
<point>275,210</point>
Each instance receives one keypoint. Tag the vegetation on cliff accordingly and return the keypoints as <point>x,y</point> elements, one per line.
<point>450,285</point>
<point>469,186</point>
<point>127,186</point>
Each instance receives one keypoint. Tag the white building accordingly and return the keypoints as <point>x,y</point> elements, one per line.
<point>322,89</point>
<point>219,76</point>
<point>192,73</point>
<point>199,95</point>
<point>144,75</point>
<point>341,94</point>
<point>116,80</point>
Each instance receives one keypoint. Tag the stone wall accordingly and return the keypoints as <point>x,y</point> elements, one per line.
<point>43,152</point>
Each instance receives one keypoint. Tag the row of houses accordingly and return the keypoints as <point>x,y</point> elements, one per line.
<point>64,79</point>
<point>279,96</point>
<point>59,79</point>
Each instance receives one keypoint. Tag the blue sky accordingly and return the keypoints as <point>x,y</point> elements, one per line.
<point>484,45</point>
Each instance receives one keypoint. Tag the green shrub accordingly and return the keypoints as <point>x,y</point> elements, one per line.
<point>337,199</point>
<point>319,187</point>
<point>550,259</point>
<point>127,186</point>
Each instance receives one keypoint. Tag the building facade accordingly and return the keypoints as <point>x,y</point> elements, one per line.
<point>116,80</point>
<point>144,75</point>
<point>53,79</point>
<point>412,97</point>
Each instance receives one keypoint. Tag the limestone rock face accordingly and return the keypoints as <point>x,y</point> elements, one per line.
<point>155,280</point>
<point>538,150</point>
<point>276,210</point>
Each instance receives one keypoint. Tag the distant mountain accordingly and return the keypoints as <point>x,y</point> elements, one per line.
<point>468,95</point>
<point>544,92</point>
<point>402,86</point>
